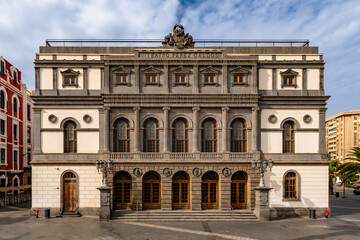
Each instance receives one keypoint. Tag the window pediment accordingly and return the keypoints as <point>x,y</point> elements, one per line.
<point>239,70</point>
<point>70,71</point>
<point>180,70</point>
<point>122,70</point>
<point>151,70</point>
<point>289,73</point>
<point>70,77</point>
<point>210,70</point>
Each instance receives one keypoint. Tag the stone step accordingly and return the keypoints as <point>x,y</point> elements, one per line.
<point>189,216</point>
<point>188,220</point>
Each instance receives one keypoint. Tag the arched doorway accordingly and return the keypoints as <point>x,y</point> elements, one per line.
<point>122,190</point>
<point>180,191</point>
<point>69,188</point>
<point>209,191</point>
<point>151,190</point>
<point>239,190</point>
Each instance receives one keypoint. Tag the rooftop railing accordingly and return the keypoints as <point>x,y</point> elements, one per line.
<point>158,42</point>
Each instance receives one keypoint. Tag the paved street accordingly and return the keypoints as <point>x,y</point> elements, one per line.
<point>15,223</point>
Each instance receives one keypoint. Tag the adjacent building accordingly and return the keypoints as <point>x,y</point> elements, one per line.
<point>342,134</point>
<point>15,132</point>
<point>182,123</point>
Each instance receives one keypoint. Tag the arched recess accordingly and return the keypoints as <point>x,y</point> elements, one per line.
<point>213,116</point>
<point>181,190</point>
<point>69,192</point>
<point>210,190</point>
<point>297,124</point>
<point>70,119</point>
<point>121,135</point>
<point>177,116</point>
<point>180,135</point>
<point>151,135</point>
<point>118,116</point>
<point>15,183</point>
<point>149,116</point>
<point>291,185</point>
<point>246,119</point>
<point>152,190</point>
<point>3,98</point>
<point>238,135</point>
<point>122,190</point>
<point>239,190</point>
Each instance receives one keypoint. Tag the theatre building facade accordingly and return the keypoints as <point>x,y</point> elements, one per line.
<point>178,126</point>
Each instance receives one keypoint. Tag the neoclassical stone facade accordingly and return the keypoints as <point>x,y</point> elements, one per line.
<point>182,125</point>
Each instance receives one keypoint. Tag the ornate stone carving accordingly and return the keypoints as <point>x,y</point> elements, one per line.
<point>167,172</point>
<point>226,172</point>
<point>197,172</point>
<point>137,172</point>
<point>178,39</point>
<point>272,119</point>
<point>87,118</point>
<point>307,119</point>
<point>52,118</point>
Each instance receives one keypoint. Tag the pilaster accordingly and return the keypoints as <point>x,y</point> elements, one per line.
<point>37,81</point>
<point>254,83</point>
<point>166,78</point>
<point>224,141</point>
<point>37,131</point>
<point>106,79</point>
<point>195,129</point>
<point>137,128</point>
<point>254,129</point>
<point>55,80</point>
<point>166,129</point>
<point>322,147</point>
<point>195,203</point>
<point>85,87</point>
<point>196,79</point>
<point>225,88</point>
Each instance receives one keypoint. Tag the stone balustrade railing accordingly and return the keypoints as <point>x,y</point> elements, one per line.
<point>115,156</point>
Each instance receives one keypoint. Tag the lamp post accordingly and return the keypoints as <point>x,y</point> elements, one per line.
<point>261,166</point>
<point>105,168</point>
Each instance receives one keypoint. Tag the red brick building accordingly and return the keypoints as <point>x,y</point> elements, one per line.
<point>15,131</point>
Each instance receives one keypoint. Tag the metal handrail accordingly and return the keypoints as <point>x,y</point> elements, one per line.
<point>220,42</point>
<point>231,208</point>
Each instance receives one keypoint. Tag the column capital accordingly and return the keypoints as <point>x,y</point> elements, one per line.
<point>166,108</point>
<point>322,110</point>
<point>196,108</point>
<point>225,109</point>
<point>255,109</point>
<point>136,108</point>
<point>37,110</point>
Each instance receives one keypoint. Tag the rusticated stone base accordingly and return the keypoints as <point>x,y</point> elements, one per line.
<point>54,212</point>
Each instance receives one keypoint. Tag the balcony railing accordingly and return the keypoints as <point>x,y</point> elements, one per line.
<point>187,157</point>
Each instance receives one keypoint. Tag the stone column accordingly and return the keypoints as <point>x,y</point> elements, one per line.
<point>225,79</point>
<point>196,79</point>
<point>262,210</point>
<point>322,148</point>
<point>37,81</point>
<point>195,190</point>
<point>224,141</point>
<point>166,129</point>
<point>106,129</point>
<point>195,129</point>
<point>85,87</point>
<point>104,212</point>
<point>254,84</point>
<point>37,131</point>
<point>106,79</point>
<point>137,129</point>
<point>166,192</point>
<point>166,78</point>
<point>254,129</point>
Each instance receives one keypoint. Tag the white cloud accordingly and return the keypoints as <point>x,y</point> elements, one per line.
<point>334,26</point>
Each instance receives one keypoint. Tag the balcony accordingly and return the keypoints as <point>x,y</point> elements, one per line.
<point>180,157</point>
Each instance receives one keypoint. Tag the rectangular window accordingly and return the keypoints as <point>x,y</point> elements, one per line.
<point>28,112</point>
<point>180,78</point>
<point>209,78</point>
<point>3,156</point>
<point>70,80</point>
<point>121,78</point>
<point>29,135</point>
<point>15,131</point>
<point>289,81</point>
<point>2,69</point>
<point>15,157</point>
<point>151,79</point>
<point>2,126</point>
<point>239,79</point>
<point>15,78</point>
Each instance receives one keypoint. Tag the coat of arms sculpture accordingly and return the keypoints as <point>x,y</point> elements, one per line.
<point>179,39</point>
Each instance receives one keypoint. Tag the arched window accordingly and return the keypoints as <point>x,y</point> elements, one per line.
<point>151,135</point>
<point>208,136</point>
<point>15,105</point>
<point>2,99</point>
<point>180,136</point>
<point>290,186</point>
<point>238,136</point>
<point>122,135</point>
<point>70,137</point>
<point>288,137</point>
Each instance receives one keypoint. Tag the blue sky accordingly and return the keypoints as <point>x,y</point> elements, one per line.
<point>333,25</point>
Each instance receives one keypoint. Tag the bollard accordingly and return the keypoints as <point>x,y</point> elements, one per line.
<point>312,213</point>
<point>37,213</point>
<point>337,194</point>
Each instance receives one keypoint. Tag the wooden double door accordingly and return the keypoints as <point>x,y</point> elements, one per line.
<point>181,191</point>
<point>210,191</point>
<point>69,192</point>
<point>239,190</point>
<point>122,191</point>
<point>151,191</point>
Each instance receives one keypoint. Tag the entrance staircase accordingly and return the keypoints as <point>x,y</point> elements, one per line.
<point>184,216</point>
